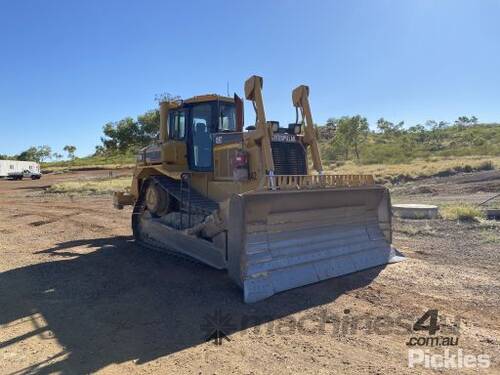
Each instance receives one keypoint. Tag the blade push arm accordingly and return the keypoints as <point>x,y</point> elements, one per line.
<point>263,133</point>
<point>300,99</point>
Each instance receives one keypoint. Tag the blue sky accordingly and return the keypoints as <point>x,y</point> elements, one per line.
<point>68,67</point>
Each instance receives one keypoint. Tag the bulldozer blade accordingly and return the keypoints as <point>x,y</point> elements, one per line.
<point>279,240</point>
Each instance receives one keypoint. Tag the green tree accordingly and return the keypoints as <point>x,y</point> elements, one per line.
<point>123,135</point>
<point>435,134</point>
<point>57,156</point>
<point>418,133</point>
<point>464,121</point>
<point>129,134</point>
<point>37,154</point>
<point>350,134</point>
<point>327,132</point>
<point>28,155</point>
<point>149,124</point>
<point>388,129</point>
<point>70,150</point>
<point>99,150</point>
<point>43,153</point>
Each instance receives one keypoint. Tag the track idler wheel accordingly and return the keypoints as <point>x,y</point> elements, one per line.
<point>157,200</point>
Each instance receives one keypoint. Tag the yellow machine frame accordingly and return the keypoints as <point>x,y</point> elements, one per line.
<point>257,143</point>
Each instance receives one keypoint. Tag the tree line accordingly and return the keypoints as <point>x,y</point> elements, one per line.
<point>350,138</point>
<point>128,134</point>
<point>343,138</point>
<point>41,154</point>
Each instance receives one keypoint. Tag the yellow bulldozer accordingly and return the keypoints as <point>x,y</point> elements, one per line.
<point>247,201</point>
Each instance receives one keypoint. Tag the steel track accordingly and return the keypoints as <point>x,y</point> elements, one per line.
<point>137,216</point>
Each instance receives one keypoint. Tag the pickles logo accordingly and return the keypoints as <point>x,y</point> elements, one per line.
<point>448,358</point>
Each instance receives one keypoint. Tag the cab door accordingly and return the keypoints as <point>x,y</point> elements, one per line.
<point>175,150</point>
<point>200,138</point>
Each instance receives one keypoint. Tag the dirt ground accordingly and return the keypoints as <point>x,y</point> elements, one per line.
<point>77,296</point>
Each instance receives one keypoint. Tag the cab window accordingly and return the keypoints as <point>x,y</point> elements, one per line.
<point>177,125</point>
<point>201,150</point>
<point>227,118</point>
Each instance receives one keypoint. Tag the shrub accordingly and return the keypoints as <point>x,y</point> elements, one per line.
<point>384,153</point>
<point>91,187</point>
<point>461,212</point>
<point>486,166</point>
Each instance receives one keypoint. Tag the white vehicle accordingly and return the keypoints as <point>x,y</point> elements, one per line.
<point>16,168</point>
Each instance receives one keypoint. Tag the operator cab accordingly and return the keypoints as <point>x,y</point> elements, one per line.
<point>196,122</point>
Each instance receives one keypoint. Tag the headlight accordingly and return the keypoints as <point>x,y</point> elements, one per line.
<point>275,125</point>
<point>294,128</point>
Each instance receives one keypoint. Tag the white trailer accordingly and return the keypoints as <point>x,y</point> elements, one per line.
<point>17,167</point>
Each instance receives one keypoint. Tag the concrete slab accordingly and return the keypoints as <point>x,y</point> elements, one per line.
<point>415,211</point>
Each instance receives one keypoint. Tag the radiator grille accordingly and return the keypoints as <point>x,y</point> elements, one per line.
<point>289,158</point>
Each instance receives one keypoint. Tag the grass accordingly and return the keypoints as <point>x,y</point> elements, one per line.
<point>490,231</point>
<point>461,212</point>
<point>91,162</point>
<point>383,173</point>
<point>91,187</point>
<point>490,238</point>
<point>411,230</point>
<point>418,169</point>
